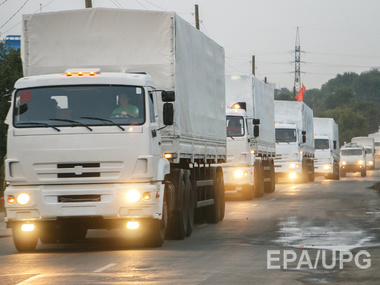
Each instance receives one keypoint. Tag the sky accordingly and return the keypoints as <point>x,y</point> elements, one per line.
<point>335,36</point>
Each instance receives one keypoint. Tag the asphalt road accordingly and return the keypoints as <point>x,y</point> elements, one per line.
<point>326,232</point>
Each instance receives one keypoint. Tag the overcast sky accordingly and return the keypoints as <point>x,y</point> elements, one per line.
<point>336,36</point>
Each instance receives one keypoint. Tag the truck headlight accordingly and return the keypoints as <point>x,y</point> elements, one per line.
<point>370,162</point>
<point>292,175</point>
<point>23,199</point>
<point>133,195</point>
<point>293,165</point>
<point>238,173</point>
<point>326,167</point>
<point>360,162</point>
<point>343,162</point>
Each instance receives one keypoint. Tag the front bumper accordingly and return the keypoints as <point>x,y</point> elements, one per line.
<point>352,167</point>
<point>106,201</point>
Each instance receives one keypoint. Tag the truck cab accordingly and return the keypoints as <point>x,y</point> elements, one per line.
<point>352,159</point>
<point>326,159</point>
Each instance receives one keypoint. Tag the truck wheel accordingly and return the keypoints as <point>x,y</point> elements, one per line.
<point>48,234</point>
<point>305,172</point>
<point>364,172</point>
<point>212,212</point>
<point>157,229</point>
<point>270,187</point>
<point>222,200</point>
<point>258,180</point>
<point>191,204</point>
<point>24,241</point>
<point>343,173</point>
<point>177,225</point>
<point>336,172</point>
<point>311,173</point>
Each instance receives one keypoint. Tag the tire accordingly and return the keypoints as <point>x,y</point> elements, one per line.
<point>364,173</point>
<point>336,172</point>
<point>24,241</point>
<point>178,220</point>
<point>305,172</point>
<point>157,229</point>
<point>222,200</point>
<point>191,203</point>
<point>48,234</point>
<point>270,187</point>
<point>258,180</point>
<point>311,174</point>
<point>343,173</point>
<point>212,212</point>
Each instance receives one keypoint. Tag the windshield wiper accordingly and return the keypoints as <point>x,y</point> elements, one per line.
<point>104,120</point>
<point>72,121</point>
<point>39,124</point>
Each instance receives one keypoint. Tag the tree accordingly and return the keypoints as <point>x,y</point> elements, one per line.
<point>10,71</point>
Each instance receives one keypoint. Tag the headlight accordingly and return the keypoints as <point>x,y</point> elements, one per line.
<point>343,162</point>
<point>238,173</point>
<point>293,165</point>
<point>23,199</point>
<point>133,195</point>
<point>326,167</point>
<point>292,175</point>
<point>370,163</point>
<point>360,161</point>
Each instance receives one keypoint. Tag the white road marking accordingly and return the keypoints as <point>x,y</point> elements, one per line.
<point>101,269</point>
<point>29,280</point>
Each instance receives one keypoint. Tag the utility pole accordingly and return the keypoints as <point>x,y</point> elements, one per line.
<point>88,3</point>
<point>253,64</point>
<point>196,16</point>
<point>297,64</point>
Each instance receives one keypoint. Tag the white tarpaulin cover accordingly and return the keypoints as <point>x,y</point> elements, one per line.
<point>294,112</point>
<point>259,98</point>
<point>175,54</point>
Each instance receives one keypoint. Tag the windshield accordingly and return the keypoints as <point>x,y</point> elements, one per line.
<point>286,135</point>
<point>94,105</point>
<point>351,152</point>
<point>321,143</point>
<point>235,126</point>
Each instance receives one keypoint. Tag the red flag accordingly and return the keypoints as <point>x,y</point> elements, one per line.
<point>299,96</point>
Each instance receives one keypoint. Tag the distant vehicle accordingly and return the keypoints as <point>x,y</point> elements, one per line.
<point>376,137</point>
<point>294,141</point>
<point>326,142</point>
<point>251,148</point>
<point>352,159</point>
<point>369,144</point>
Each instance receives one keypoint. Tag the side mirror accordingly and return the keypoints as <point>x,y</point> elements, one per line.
<point>168,96</point>
<point>334,143</point>
<point>303,136</point>
<point>168,114</point>
<point>256,131</point>
<point>256,121</point>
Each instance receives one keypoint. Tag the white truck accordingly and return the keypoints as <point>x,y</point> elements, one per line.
<point>73,164</point>
<point>326,144</point>
<point>294,141</point>
<point>352,159</point>
<point>369,144</point>
<point>251,147</point>
<point>376,137</point>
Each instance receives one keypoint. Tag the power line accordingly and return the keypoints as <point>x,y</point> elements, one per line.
<point>15,13</point>
<point>3,2</point>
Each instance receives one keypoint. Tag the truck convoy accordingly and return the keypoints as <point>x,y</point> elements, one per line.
<point>326,143</point>
<point>352,159</point>
<point>251,147</point>
<point>294,141</point>
<point>369,144</point>
<point>76,160</point>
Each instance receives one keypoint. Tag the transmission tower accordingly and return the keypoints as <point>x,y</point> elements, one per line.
<point>297,64</point>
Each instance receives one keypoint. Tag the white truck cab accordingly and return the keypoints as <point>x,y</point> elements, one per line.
<point>352,159</point>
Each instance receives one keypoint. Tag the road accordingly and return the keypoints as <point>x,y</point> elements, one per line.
<point>325,232</point>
